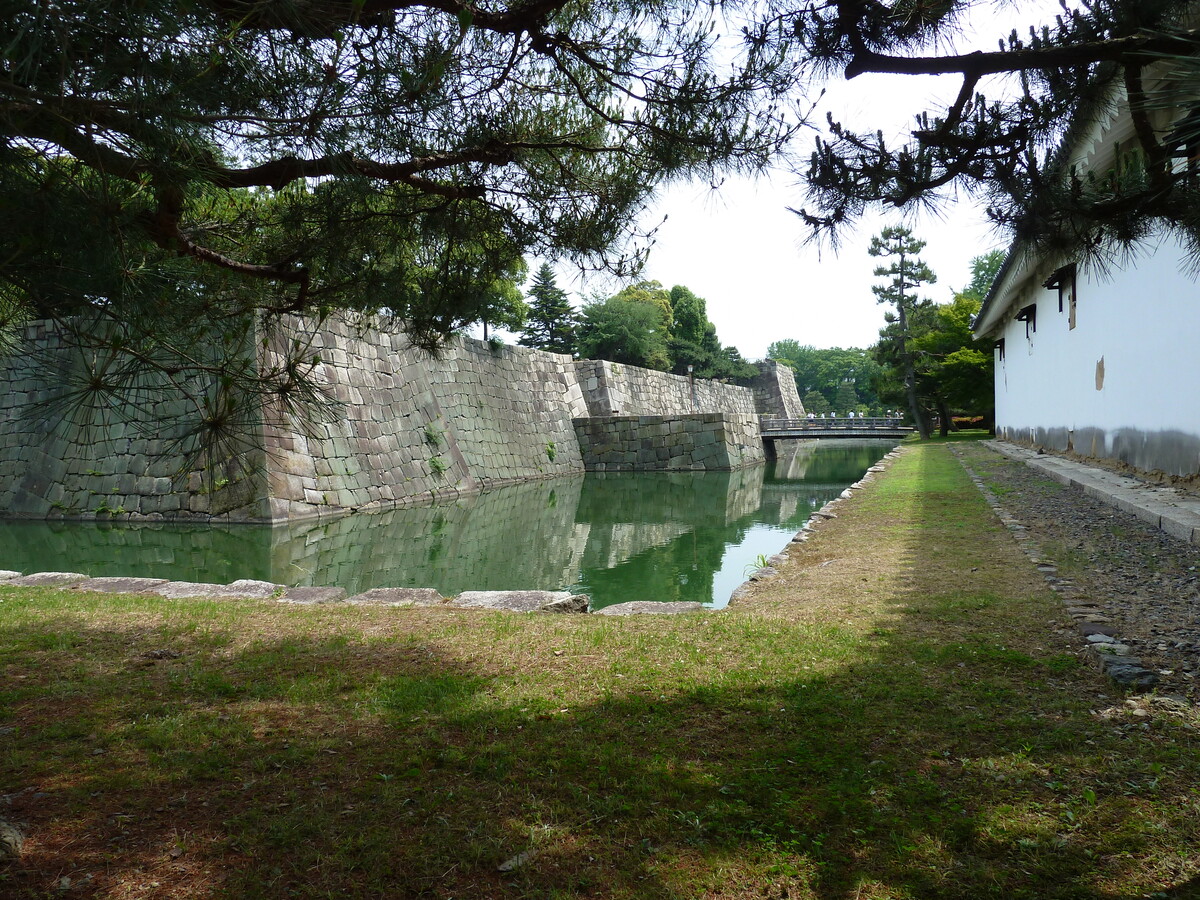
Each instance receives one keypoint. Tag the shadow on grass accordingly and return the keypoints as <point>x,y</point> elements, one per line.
<point>320,766</point>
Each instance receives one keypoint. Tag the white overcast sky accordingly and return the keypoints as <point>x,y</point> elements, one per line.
<point>740,248</point>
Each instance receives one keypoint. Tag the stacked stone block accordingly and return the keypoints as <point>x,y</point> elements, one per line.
<point>411,427</point>
<point>397,427</point>
<point>614,389</point>
<point>61,456</point>
<point>707,441</point>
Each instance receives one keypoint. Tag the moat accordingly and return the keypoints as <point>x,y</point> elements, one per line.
<point>617,537</point>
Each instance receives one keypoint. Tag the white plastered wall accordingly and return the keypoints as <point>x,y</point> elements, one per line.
<point>1143,322</point>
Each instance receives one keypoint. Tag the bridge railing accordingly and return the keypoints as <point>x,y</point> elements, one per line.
<point>775,424</point>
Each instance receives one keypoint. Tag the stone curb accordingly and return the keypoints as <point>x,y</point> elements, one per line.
<point>1106,650</point>
<point>1170,510</point>
<point>247,589</point>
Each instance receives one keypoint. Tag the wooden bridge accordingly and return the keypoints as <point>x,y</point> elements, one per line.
<point>776,429</point>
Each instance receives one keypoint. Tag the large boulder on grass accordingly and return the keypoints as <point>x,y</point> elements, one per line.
<point>11,841</point>
<point>523,601</point>
<point>385,596</point>
<point>653,607</point>
<point>49,579</point>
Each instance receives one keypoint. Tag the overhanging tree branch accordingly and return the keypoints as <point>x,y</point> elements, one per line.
<point>1143,48</point>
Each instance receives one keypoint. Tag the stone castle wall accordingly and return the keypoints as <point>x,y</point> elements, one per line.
<point>401,427</point>
<point>412,427</point>
<point>697,442</point>
<point>615,389</point>
<point>64,456</point>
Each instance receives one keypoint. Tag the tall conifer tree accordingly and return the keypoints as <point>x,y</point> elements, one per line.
<point>905,273</point>
<point>551,323</point>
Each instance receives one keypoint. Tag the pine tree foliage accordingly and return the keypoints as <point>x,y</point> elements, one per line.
<point>845,399</point>
<point>190,171</point>
<point>984,269</point>
<point>814,401</point>
<point>1013,148</point>
<point>551,323</point>
<point>950,369</point>
<point>904,274</point>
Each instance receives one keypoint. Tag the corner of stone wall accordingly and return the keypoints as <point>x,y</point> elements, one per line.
<point>775,392</point>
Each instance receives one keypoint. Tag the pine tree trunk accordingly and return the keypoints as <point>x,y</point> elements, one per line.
<point>947,422</point>
<point>910,375</point>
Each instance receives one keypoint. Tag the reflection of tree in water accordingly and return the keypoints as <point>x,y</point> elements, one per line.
<point>807,474</point>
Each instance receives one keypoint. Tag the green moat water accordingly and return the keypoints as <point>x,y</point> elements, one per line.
<point>617,537</point>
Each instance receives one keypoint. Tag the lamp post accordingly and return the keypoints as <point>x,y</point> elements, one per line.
<point>692,383</point>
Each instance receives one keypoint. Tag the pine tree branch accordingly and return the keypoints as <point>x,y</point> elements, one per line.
<point>324,17</point>
<point>1143,48</point>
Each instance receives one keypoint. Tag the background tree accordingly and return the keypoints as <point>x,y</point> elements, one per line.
<point>732,366</point>
<point>965,364</point>
<point>653,293</point>
<point>905,273</point>
<point>824,370</point>
<point>500,301</point>
<point>693,337</point>
<point>959,366</point>
<point>984,269</point>
<point>624,331</point>
<point>694,341</point>
<point>953,370</point>
<point>551,322</point>
<point>845,399</point>
<point>815,403</point>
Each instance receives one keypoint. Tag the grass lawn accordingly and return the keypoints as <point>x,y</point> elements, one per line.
<point>891,717</point>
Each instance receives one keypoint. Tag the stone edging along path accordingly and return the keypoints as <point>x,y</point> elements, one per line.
<point>824,514</point>
<point>506,601</point>
<point>1166,508</point>
<point>1108,652</point>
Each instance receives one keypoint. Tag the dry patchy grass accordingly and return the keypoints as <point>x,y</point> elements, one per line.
<point>889,718</point>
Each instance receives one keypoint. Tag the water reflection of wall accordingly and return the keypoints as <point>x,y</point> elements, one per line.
<point>792,459</point>
<point>533,535</point>
<point>481,542</point>
<point>616,542</point>
<point>634,536</point>
<point>631,514</point>
<point>191,553</point>
<point>699,498</point>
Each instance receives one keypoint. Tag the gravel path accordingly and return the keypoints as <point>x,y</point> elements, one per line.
<point>1111,569</point>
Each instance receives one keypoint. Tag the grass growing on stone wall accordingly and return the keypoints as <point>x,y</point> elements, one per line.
<point>889,718</point>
